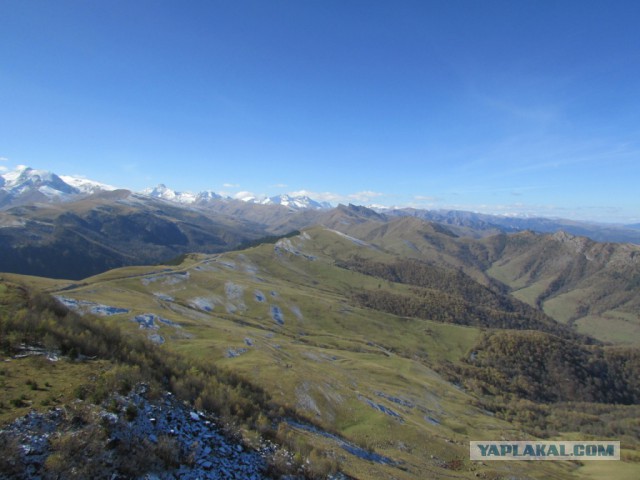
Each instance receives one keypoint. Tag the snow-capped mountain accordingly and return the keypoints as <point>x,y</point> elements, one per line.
<point>207,196</point>
<point>185,198</point>
<point>86,186</point>
<point>25,179</point>
<point>296,202</point>
<point>26,185</point>
<point>165,193</point>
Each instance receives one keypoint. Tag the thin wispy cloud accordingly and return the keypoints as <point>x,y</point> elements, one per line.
<point>4,159</point>
<point>581,153</point>
<point>524,210</point>
<point>366,196</point>
<point>322,196</point>
<point>540,113</point>
<point>231,185</point>
<point>522,155</point>
<point>244,195</point>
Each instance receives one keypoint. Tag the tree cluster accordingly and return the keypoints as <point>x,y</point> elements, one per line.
<point>448,296</point>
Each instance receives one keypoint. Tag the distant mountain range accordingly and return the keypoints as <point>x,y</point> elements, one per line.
<point>25,186</point>
<point>296,202</point>
<point>478,224</point>
<point>70,227</point>
<point>389,337</point>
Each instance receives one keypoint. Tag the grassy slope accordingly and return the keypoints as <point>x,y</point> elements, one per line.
<point>55,384</point>
<point>575,280</point>
<point>329,357</point>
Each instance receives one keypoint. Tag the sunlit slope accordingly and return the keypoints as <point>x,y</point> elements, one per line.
<point>594,286</point>
<point>412,237</point>
<point>111,229</point>
<point>282,315</point>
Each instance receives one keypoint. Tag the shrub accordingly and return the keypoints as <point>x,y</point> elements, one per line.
<point>319,465</point>
<point>11,464</point>
<point>167,451</point>
<point>131,412</point>
<point>78,455</point>
<point>19,402</point>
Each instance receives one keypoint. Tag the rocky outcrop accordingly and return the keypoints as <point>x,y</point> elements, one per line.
<point>173,440</point>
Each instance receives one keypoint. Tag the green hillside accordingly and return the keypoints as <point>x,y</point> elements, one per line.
<point>302,321</point>
<point>592,287</point>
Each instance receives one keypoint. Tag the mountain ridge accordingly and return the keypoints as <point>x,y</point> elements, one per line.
<point>25,186</point>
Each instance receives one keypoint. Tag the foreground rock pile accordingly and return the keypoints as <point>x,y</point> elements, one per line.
<point>162,437</point>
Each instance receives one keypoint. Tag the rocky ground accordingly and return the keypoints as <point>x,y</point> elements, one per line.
<point>162,438</point>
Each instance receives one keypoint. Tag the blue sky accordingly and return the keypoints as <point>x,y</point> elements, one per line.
<point>517,107</point>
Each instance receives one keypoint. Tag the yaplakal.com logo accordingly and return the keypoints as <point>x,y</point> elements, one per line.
<point>533,450</point>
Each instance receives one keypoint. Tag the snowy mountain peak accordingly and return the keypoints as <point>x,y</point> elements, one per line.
<point>85,185</point>
<point>207,196</point>
<point>165,193</point>
<point>11,178</point>
<point>296,202</point>
<point>25,185</point>
<point>24,178</point>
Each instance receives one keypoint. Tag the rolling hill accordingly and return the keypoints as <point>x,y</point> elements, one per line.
<point>311,321</point>
<point>108,230</point>
<point>372,343</point>
<point>577,281</point>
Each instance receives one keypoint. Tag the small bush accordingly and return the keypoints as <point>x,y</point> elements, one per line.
<point>11,465</point>
<point>167,451</point>
<point>131,412</point>
<point>82,392</point>
<point>319,465</point>
<point>18,402</point>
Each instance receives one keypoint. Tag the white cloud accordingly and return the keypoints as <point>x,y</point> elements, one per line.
<point>230,185</point>
<point>321,196</point>
<point>516,209</point>
<point>4,159</point>
<point>279,185</point>
<point>363,197</point>
<point>244,195</point>
<point>3,168</point>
